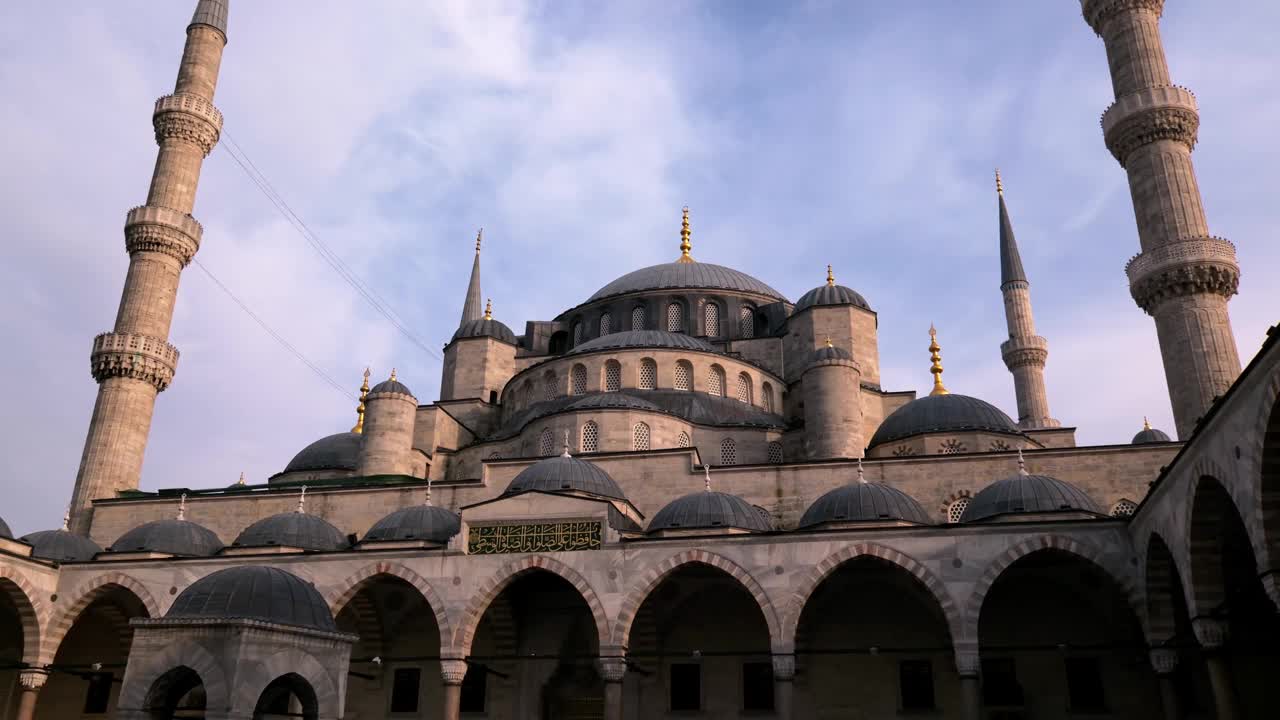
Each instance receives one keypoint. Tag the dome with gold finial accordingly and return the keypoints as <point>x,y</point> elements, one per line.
<point>1149,434</point>
<point>338,453</point>
<point>485,326</point>
<point>829,293</point>
<point>390,385</point>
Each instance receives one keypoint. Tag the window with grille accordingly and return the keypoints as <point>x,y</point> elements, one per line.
<point>744,388</point>
<point>612,376</point>
<point>711,320</point>
<point>590,437</point>
<point>648,375</point>
<point>715,381</point>
<point>578,377</point>
<point>956,509</point>
<point>952,446</point>
<point>728,452</point>
<point>683,440</point>
<point>640,437</point>
<point>766,397</point>
<point>495,455</point>
<point>637,318</point>
<point>606,324</point>
<point>746,322</point>
<point>577,334</point>
<point>684,375</point>
<point>1124,508</point>
<point>775,453</point>
<point>673,318</point>
<point>547,443</point>
<point>549,386</point>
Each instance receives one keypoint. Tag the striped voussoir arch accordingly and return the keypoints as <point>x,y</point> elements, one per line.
<point>1160,573</point>
<point>88,591</point>
<point>30,607</point>
<point>341,594</point>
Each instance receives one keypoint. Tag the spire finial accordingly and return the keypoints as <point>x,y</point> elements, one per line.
<point>488,309</point>
<point>479,236</point>
<point>393,375</point>
<point>861,478</point>
<point>302,500</point>
<point>359,426</point>
<point>428,487</point>
<point>182,507</point>
<point>565,453</point>
<point>999,185</point>
<point>936,359</point>
<point>66,520</point>
<point>831,278</point>
<point>685,244</point>
<point>706,475</point>
<point>1146,424</point>
<point>241,480</point>
<point>1022,464</point>
<point>829,341</point>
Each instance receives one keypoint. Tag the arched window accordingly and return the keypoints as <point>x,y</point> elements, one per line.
<point>547,443</point>
<point>1124,508</point>
<point>637,318</point>
<point>640,437</point>
<point>683,440</point>
<point>548,385</point>
<point>715,381</point>
<point>648,375</point>
<point>674,314</point>
<point>775,453</point>
<point>495,455</point>
<point>956,509</point>
<point>728,452</point>
<point>684,375</point>
<point>711,320</point>
<point>612,376</point>
<point>606,324</point>
<point>578,379</point>
<point>766,397</point>
<point>746,322</point>
<point>577,334</point>
<point>590,437</point>
<point>744,388</point>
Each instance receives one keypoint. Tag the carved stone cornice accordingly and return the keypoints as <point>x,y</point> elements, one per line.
<point>1168,112</point>
<point>1186,267</point>
<point>32,679</point>
<point>1099,12</point>
<point>1022,351</point>
<point>189,117</point>
<point>452,671</point>
<point>139,357</point>
<point>159,229</point>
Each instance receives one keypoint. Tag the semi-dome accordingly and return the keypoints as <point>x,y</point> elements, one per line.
<point>293,529</point>
<point>340,451</point>
<point>174,537</point>
<point>864,502</point>
<point>254,592</point>
<point>61,546</point>
<point>831,295</point>
<point>943,413</point>
<point>485,327</point>
<point>564,472</point>
<point>1149,434</point>
<point>613,400</point>
<point>708,509</point>
<point>1028,494</point>
<point>391,386</point>
<point>5,532</point>
<point>644,339</point>
<point>685,276</point>
<point>418,522</point>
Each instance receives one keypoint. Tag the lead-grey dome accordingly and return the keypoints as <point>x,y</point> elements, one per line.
<point>293,529</point>
<point>561,473</point>
<point>1150,435</point>
<point>1028,494</point>
<point>677,275</point>
<point>485,327</point>
<point>864,502</point>
<point>707,510</point>
<point>340,451</point>
<point>829,352</point>
<point>61,546</point>
<point>943,413</point>
<point>175,537</point>
<point>391,386</point>
<point>644,339</point>
<point>831,295</point>
<point>5,532</point>
<point>254,592</point>
<point>418,522</point>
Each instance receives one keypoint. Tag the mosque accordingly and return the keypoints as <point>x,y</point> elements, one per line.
<point>684,497</point>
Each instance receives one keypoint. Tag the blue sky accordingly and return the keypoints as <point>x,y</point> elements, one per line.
<point>853,133</point>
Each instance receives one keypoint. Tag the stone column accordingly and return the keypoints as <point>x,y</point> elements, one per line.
<point>29,682</point>
<point>784,685</point>
<point>1212,635</point>
<point>1165,661</point>
<point>612,670</point>
<point>452,672</point>
<point>969,668</point>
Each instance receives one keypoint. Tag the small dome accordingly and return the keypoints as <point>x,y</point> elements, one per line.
<point>5,532</point>
<point>607,400</point>
<point>175,537</point>
<point>864,502</point>
<point>419,522</point>
<point>706,509</point>
<point>293,529</point>
<point>943,413</point>
<point>830,295</point>
<point>254,592</point>
<point>686,275</point>
<point>1150,435</point>
<point>335,452</point>
<point>61,546</point>
<point>557,474</point>
<point>391,386</point>
<point>829,352</point>
<point>1028,494</point>
<point>485,327</point>
<point>644,339</point>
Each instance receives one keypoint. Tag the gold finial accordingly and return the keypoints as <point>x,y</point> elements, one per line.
<point>565,453</point>
<point>393,375</point>
<point>488,309</point>
<point>861,478</point>
<point>66,520</point>
<point>706,474</point>
<point>1146,424</point>
<point>241,481</point>
<point>182,507</point>
<point>479,235</point>
<point>999,185</point>
<point>685,244</point>
<point>828,341</point>
<point>359,426</point>
<point>1022,464</point>
<point>428,487</point>
<point>831,278</point>
<point>936,359</point>
<point>302,500</point>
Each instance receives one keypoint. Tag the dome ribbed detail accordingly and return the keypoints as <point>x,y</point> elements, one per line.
<point>254,592</point>
<point>485,327</point>
<point>685,276</point>
<point>710,510</point>
<point>644,339</point>
<point>391,386</point>
<point>943,413</point>
<point>1028,494</point>
<point>864,502</point>
<point>830,295</point>
<point>1151,435</point>
<point>334,452</point>
<point>61,546</point>
<point>562,473</point>
<point>293,529</point>
<point>419,522</point>
<point>175,537</point>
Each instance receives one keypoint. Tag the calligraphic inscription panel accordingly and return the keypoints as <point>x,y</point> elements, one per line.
<point>533,537</point>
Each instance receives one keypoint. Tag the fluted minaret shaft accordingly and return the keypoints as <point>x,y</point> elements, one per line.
<point>135,361</point>
<point>1025,352</point>
<point>1183,277</point>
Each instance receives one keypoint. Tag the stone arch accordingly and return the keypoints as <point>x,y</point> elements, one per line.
<point>81,598</point>
<point>30,608</point>
<point>1089,553</point>
<point>1269,489</point>
<point>824,569</point>
<point>1161,578</point>
<point>485,594</point>
<point>656,574</point>
<point>343,592</point>
<point>139,683</point>
<point>290,662</point>
<point>1211,504</point>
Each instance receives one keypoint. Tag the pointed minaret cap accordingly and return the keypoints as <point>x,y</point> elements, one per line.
<point>212,13</point>
<point>936,359</point>
<point>685,244</point>
<point>1010,261</point>
<point>471,304</point>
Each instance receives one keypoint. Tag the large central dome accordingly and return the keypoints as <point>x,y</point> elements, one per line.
<point>685,275</point>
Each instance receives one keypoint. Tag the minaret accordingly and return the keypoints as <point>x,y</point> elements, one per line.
<point>134,362</point>
<point>1024,352</point>
<point>471,307</point>
<point>1183,276</point>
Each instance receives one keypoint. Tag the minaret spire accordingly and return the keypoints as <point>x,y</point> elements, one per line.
<point>135,362</point>
<point>935,363</point>
<point>1024,352</point>
<point>364,394</point>
<point>685,244</point>
<point>471,306</point>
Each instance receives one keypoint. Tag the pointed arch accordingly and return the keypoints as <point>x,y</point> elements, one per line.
<point>1269,485</point>
<point>655,575</point>
<point>141,676</point>
<point>486,593</point>
<point>81,598</point>
<point>342,593</point>
<point>1161,580</point>
<point>293,661</point>
<point>30,609</point>
<point>1212,508</point>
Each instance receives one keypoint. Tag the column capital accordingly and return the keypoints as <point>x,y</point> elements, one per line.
<point>784,667</point>
<point>612,668</point>
<point>1210,632</point>
<point>1163,660</point>
<point>968,661</point>
<point>453,670</point>
<point>32,679</point>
